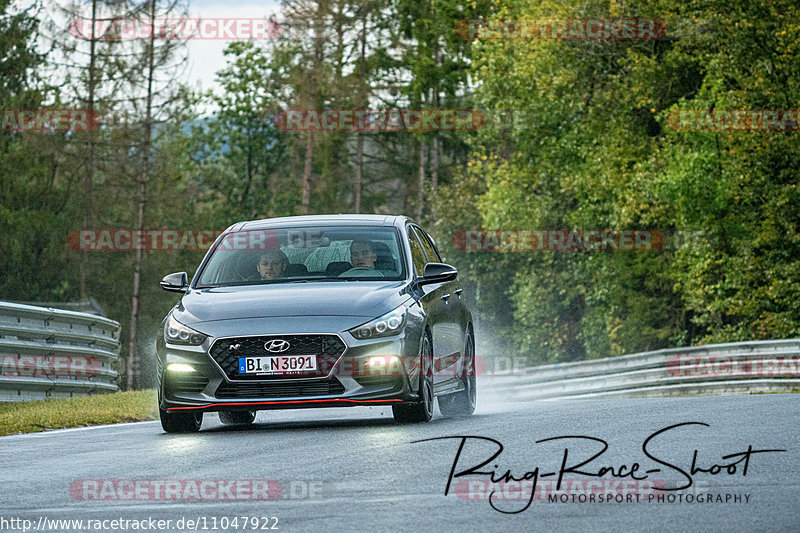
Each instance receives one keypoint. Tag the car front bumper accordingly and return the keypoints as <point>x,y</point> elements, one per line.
<point>350,382</point>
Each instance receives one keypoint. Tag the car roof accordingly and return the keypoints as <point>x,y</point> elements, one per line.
<point>330,220</point>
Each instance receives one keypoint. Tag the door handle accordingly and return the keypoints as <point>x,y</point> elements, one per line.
<point>458,292</point>
<point>445,297</point>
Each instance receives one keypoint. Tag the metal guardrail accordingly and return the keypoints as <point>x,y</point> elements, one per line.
<point>714,369</point>
<point>55,353</point>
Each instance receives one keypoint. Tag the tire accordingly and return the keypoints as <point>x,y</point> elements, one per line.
<point>463,402</point>
<point>421,411</point>
<point>181,422</point>
<point>237,418</point>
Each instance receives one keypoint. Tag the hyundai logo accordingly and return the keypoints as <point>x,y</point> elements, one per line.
<point>276,345</point>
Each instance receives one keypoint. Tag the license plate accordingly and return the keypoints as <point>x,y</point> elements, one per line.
<point>277,364</point>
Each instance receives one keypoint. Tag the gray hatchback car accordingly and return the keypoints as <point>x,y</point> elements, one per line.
<point>316,311</point>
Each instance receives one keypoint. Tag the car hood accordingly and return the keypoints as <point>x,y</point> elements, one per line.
<point>352,301</point>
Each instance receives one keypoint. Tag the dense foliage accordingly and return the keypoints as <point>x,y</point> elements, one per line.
<point>597,150</point>
<point>592,145</point>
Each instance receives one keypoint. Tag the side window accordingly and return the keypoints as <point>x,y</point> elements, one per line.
<point>435,249</point>
<point>417,255</point>
<point>433,255</point>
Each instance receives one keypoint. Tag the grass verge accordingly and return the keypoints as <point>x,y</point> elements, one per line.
<point>30,417</point>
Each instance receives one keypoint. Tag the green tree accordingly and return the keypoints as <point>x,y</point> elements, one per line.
<point>242,154</point>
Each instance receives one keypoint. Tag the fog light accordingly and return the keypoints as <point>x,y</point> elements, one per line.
<point>384,365</point>
<point>382,359</point>
<point>180,367</point>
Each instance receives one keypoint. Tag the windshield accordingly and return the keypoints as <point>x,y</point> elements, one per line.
<point>291,255</point>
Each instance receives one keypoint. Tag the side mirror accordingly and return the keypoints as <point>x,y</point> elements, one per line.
<point>438,273</point>
<point>177,282</point>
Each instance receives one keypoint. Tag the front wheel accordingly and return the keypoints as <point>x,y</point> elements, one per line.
<point>462,403</point>
<point>421,411</point>
<point>180,422</point>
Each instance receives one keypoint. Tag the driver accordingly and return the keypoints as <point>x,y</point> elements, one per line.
<point>362,257</point>
<point>362,254</point>
<point>272,264</point>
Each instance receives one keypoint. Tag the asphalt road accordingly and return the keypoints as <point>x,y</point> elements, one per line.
<point>356,470</point>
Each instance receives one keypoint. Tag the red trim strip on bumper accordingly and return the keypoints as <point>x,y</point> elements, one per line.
<point>281,403</point>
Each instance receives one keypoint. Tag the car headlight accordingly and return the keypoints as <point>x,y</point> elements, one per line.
<point>387,325</point>
<point>177,333</point>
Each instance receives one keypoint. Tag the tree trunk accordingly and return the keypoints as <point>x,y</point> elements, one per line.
<point>435,162</point>
<point>143,176</point>
<point>319,21</point>
<point>361,102</point>
<point>88,182</point>
<point>248,164</point>
<point>421,180</point>
<point>436,104</point>
<point>306,200</point>
<point>357,178</point>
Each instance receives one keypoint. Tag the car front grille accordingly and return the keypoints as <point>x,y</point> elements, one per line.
<point>326,348</point>
<point>324,387</point>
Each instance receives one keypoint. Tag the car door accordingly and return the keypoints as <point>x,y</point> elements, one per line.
<point>430,298</point>
<point>443,319</point>
<point>458,315</point>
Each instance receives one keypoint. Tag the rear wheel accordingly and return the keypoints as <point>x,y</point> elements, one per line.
<point>237,418</point>
<point>462,403</point>
<point>180,422</point>
<point>421,411</point>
